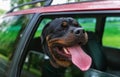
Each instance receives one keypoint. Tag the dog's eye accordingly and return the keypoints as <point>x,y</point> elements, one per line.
<point>64,24</point>
<point>75,24</point>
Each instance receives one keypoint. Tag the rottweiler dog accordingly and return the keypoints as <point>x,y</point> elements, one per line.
<point>62,39</point>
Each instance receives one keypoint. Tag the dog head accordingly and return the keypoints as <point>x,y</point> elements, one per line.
<point>62,39</point>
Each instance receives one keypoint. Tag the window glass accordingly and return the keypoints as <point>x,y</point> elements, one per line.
<point>111,37</point>
<point>41,26</point>
<point>33,64</point>
<point>87,23</point>
<point>11,29</point>
<point>37,63</point>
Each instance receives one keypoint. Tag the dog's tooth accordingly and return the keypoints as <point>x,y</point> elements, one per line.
<point>65,50</point>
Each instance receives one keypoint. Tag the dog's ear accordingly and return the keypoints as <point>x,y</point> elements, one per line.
<point>44,34</point>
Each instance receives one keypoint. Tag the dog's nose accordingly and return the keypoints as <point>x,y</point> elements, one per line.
<point>78,31</point>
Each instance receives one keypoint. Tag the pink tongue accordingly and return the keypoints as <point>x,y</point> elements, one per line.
<point>80,58</point>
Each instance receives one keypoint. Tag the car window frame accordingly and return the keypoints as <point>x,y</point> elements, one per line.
<point>17,59</point>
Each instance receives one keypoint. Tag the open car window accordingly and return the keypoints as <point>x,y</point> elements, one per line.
<point>37,62</point>
<point>111,36</point>
<point>88,23</point>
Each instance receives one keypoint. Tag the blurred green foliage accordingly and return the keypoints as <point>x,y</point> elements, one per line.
<point>111,35</point>
<point>17,2</point>
<point>2,11</point>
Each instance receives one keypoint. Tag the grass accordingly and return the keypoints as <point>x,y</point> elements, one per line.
<point>112,42</point>
<point>111,35</point>
<point>89,26</point>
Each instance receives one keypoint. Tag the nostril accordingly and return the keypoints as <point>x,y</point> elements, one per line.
<point>78,31</point>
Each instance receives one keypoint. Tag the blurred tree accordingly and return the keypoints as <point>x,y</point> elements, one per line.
<point>2,11</point>
<point>17,2</point>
